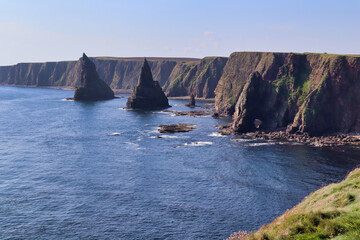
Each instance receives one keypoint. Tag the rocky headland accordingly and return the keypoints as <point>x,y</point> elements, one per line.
<point>91,88</point>
<point>147,95</point>
<point>308,94</point>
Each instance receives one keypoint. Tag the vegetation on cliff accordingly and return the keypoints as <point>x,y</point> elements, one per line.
<point>332,212</point>
<point>200,78</point>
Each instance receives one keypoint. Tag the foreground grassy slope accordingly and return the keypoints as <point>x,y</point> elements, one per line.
<point>332,212</point>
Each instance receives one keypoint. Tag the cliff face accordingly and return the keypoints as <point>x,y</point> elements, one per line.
<point>41,74</point>
<point>196,78</point>
<point>314,93</point>
<point>177,76</point>
<point>123,73</point>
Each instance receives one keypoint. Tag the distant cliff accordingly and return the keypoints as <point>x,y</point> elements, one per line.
<point>314,93</point>
<point>123,73</point>
<point>196,78</point>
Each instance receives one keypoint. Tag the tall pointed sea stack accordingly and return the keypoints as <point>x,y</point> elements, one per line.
<point>91,88</point>
<point>147,95</point>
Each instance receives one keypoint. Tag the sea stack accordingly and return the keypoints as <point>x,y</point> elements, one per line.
<point>91,88</point>
<point>147,95</point>
<point>191,101</point>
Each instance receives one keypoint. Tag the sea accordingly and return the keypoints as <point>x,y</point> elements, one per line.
<point>92,170</point>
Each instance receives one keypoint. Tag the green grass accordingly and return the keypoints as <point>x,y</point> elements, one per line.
<point>332,212</point>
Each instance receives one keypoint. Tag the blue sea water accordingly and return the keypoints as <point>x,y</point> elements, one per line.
<point>72,170</point>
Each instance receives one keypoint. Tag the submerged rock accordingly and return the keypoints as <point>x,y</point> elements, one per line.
<point>91,87</point>
<point>147,95</point>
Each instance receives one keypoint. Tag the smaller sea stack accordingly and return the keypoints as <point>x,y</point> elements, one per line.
<point>191,101</point>
<point>147,95</point>
<point>91,88</point>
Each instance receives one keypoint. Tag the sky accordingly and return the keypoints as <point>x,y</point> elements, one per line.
<point>57,30</point>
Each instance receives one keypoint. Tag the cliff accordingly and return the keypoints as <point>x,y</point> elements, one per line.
<point>200,79</point>
<point>332,212</point>
<point>314,93</point>
<point>122,73</point>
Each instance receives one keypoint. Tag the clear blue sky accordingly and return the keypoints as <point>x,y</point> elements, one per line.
<point>51,30</point>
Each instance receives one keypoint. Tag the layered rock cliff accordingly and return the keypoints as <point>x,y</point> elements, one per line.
<point>314,93</point>
<point>123,73</point>
<point>198,78</point>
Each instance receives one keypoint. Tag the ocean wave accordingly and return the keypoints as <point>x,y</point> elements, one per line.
<point>260,144</point>
<point>216,134</point>
<point>198,144</point>
<point>115,134</point>
<point>242,140</point>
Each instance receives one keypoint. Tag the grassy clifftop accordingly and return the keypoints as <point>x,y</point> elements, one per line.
<point>332,212</point>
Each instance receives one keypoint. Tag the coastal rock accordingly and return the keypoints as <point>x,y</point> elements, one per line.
<point>255,102</point>
<point>174,128</point>
<point>91,87</point>
<point>191,101</point>
<point>147,95</point>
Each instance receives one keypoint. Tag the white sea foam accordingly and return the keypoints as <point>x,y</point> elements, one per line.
<point>242,140</point>
<point>131,144</point>
<point>216,134</point>
<point>260,144</point>
<point>65,99</point>
<point>198,144</point>
<point>168,136</point>
<point>115,134</point>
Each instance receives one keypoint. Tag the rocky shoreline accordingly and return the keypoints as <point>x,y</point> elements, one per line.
<point>331,140</point>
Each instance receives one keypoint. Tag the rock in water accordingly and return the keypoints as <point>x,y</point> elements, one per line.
<point>147,95</point>
<point>192,101</point>
<point>91,88</point>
